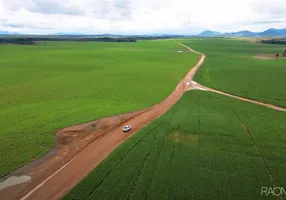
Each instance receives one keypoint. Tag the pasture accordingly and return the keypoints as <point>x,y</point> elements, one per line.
<point>206,146</point>
<point>47,87</point>
<point>230,66</point>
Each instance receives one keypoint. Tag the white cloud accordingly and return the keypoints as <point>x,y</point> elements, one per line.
<point>140,16</point>
<point>275,8</point>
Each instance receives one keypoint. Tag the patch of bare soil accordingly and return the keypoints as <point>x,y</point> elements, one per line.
<point>251,39</point>
<point>268,56</point>
<point>254,39</point>
<point>134,49</point>
<point>79,149</point>
<point>178,137</point>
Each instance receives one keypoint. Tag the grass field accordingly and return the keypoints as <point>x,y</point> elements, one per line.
<point>230,67</point>
<point>44,88</point>
<point>207,146</point>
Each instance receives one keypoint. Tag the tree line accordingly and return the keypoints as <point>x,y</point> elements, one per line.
<point>274,41</point>
<point>34,40</point>
<point>37,40</point>
<point>283,54</point>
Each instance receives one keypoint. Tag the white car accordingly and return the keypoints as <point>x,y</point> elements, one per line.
<point>126,128</point>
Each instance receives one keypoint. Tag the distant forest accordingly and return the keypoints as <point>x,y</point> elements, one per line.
<point>274,41</point>
<point>34,40</point>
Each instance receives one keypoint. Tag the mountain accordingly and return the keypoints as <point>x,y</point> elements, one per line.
<point>67,33</point>
<point>245,33</point>
<point>108,35</point>
<point>274,32</point>
<point>209,33</point>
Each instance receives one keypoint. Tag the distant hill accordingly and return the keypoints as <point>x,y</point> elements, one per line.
<point>209,33</point>
<point>274,32</point>
<point>68,33</point>
<point>8,33</point>
<point>245,33</point>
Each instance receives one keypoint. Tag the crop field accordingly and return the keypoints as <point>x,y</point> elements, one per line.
<point>230,67</point>
<point>206,146</point>
<point>47,87</point>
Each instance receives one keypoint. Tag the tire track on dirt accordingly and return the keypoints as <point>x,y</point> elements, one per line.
<point>138,175</point>
<point>273,179</point>
<point>156,165</point>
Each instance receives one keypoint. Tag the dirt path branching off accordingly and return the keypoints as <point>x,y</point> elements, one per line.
<point>193,85</point>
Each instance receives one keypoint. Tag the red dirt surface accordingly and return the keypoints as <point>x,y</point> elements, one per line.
<point>269,56</point>
<point>81,148</point>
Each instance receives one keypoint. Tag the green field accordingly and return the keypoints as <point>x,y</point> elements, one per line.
<point>230,67</point>
<point>199,149</point>
<point>47,87</point>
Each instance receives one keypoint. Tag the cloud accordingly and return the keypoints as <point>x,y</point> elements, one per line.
<point>44,7</point>
<point>140,16</point>
<point>15,25</point>
<point>113,10</point>
<point>273,8</point>
<point>265,22</point>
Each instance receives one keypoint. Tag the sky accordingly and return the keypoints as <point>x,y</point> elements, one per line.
<point>140,16</point>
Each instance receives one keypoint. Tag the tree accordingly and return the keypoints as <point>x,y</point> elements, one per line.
<point>277,55</point>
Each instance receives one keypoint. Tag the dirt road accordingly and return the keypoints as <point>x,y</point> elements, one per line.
<point>63,179</point>
<point>194,85</point>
